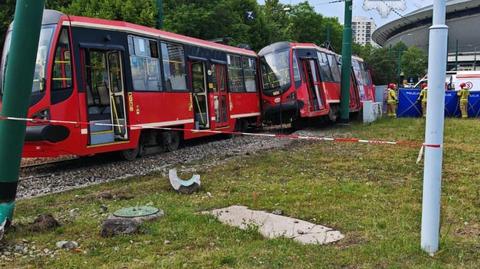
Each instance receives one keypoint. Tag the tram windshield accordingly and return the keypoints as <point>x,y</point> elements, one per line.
<point>276,72</point>
<point>41,63</point>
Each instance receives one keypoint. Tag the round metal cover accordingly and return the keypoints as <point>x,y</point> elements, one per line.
<point>136,212</point>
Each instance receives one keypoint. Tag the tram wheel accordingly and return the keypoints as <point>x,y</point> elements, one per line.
<point>171,141</point>
<point>130,154</point>
<point>298,124</point>
<point>333,114</point>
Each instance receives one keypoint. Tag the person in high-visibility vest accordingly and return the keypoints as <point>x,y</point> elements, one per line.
<point>423,98</point>
<point>392,100</point>
<point>463,93</point>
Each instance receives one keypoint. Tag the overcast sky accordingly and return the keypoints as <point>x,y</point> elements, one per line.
<point>337,9</point>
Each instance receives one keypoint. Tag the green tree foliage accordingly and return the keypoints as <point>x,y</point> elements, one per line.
<point>208,19</point>
<point>386,63</point>
<point>414,62</point>
<point>306,25</point>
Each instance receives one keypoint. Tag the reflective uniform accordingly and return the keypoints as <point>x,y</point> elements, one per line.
<point>392,102</point>
<point>423,99</point>
<point>463,94</point>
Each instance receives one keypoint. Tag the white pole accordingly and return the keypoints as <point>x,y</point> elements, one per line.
<point>432,178</point>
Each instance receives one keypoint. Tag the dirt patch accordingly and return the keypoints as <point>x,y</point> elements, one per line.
<point>42,223</point>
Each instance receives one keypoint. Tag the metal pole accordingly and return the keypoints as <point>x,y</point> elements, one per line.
<point>475,60</point>
<point>346,63</point>
<point>329,29</point>
<point>160,14</point>
<point>399,62</point>
<point>16,98</point>
<point>456,56</point>
<point>432,177</point>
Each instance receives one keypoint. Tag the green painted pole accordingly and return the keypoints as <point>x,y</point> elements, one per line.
<point>20,69</point>
<point>346,63</point>
<point>329,33</point>
<point>160,14</point>
<point>399,67</point>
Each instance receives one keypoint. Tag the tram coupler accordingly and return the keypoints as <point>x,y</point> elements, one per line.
<point>6,216</point>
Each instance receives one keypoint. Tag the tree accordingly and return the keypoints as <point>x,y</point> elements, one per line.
<point>208,19</point>
<point>414,62</point>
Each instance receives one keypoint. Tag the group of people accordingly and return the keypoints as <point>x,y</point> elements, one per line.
<point>392,99</point>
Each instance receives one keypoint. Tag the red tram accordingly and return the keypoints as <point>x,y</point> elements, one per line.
<point>302,80</point>
<point>120,82</point>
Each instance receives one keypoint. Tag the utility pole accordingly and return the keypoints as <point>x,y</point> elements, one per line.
<point>160,14</point>
<point>20,69</point>
<point>475,60</point>
<point>399,65</point>
<point>346,63</point>
<point>432,177</point>
<point>456,56</point>
<point>329,33</point>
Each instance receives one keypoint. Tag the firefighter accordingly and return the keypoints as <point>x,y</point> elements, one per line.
<point>392,100</point>
<point>463,93</point>
<point>423,98</point>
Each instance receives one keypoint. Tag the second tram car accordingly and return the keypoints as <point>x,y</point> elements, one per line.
<point>118,83</point>
<point>302,80</point>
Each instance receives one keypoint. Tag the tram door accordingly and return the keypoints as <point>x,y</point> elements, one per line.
<point>219,94</point>
<point>200,94</point>
<point>103,72</point>
<point>355,91</point>
<point>316,98</point>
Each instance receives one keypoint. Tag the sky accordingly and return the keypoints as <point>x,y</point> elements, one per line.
<point>326,8</point>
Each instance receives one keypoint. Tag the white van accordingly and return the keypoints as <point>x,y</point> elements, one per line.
<point>450,80</point>
<point>471,78</point>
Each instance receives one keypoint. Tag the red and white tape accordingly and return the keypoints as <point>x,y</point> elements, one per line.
<point>280,136</point>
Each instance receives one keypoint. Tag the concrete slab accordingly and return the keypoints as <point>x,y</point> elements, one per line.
<point>274,226</point>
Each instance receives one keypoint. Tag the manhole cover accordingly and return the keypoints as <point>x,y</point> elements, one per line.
<point>136,212</point>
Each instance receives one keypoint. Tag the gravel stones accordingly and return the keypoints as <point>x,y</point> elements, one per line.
<point>84,172</point>
<point>45,222</point>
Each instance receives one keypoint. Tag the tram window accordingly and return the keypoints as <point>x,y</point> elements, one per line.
<point>145,64</point>
<point>173,57</point>
<point>250,71</point>
<point>235,74</point>
<point>334,67</point>
<point>296,71</point>
<point>366,77</point>
<point>325,71</point>
<point>357,72</point>
<point>62,68</point>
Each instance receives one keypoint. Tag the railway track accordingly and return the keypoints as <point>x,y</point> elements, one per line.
<point>62,175</point>
<point>44,163</point>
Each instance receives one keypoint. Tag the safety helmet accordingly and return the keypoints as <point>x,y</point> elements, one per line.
<point>391,86</point>
<point>463,85</point>
<point>424,85</point>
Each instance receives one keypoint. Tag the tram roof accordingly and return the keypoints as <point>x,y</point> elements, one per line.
<point>53,16</point>
<point>286,45</point>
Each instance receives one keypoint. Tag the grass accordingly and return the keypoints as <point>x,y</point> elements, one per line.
<point>371,193</point>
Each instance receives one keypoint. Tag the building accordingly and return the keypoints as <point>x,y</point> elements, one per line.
<point>463,18</point>
<point>362,29</point>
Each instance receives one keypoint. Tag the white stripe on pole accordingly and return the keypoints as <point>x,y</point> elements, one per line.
<point>432,178</point>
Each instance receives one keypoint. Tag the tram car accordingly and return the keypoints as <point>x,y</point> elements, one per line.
<point>302,81</point>
<point>104,86</point>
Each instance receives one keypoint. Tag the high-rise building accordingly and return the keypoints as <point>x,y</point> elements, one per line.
<point>362,29</point>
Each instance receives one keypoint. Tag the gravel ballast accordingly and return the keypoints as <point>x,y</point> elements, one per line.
<point>73,174</point>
